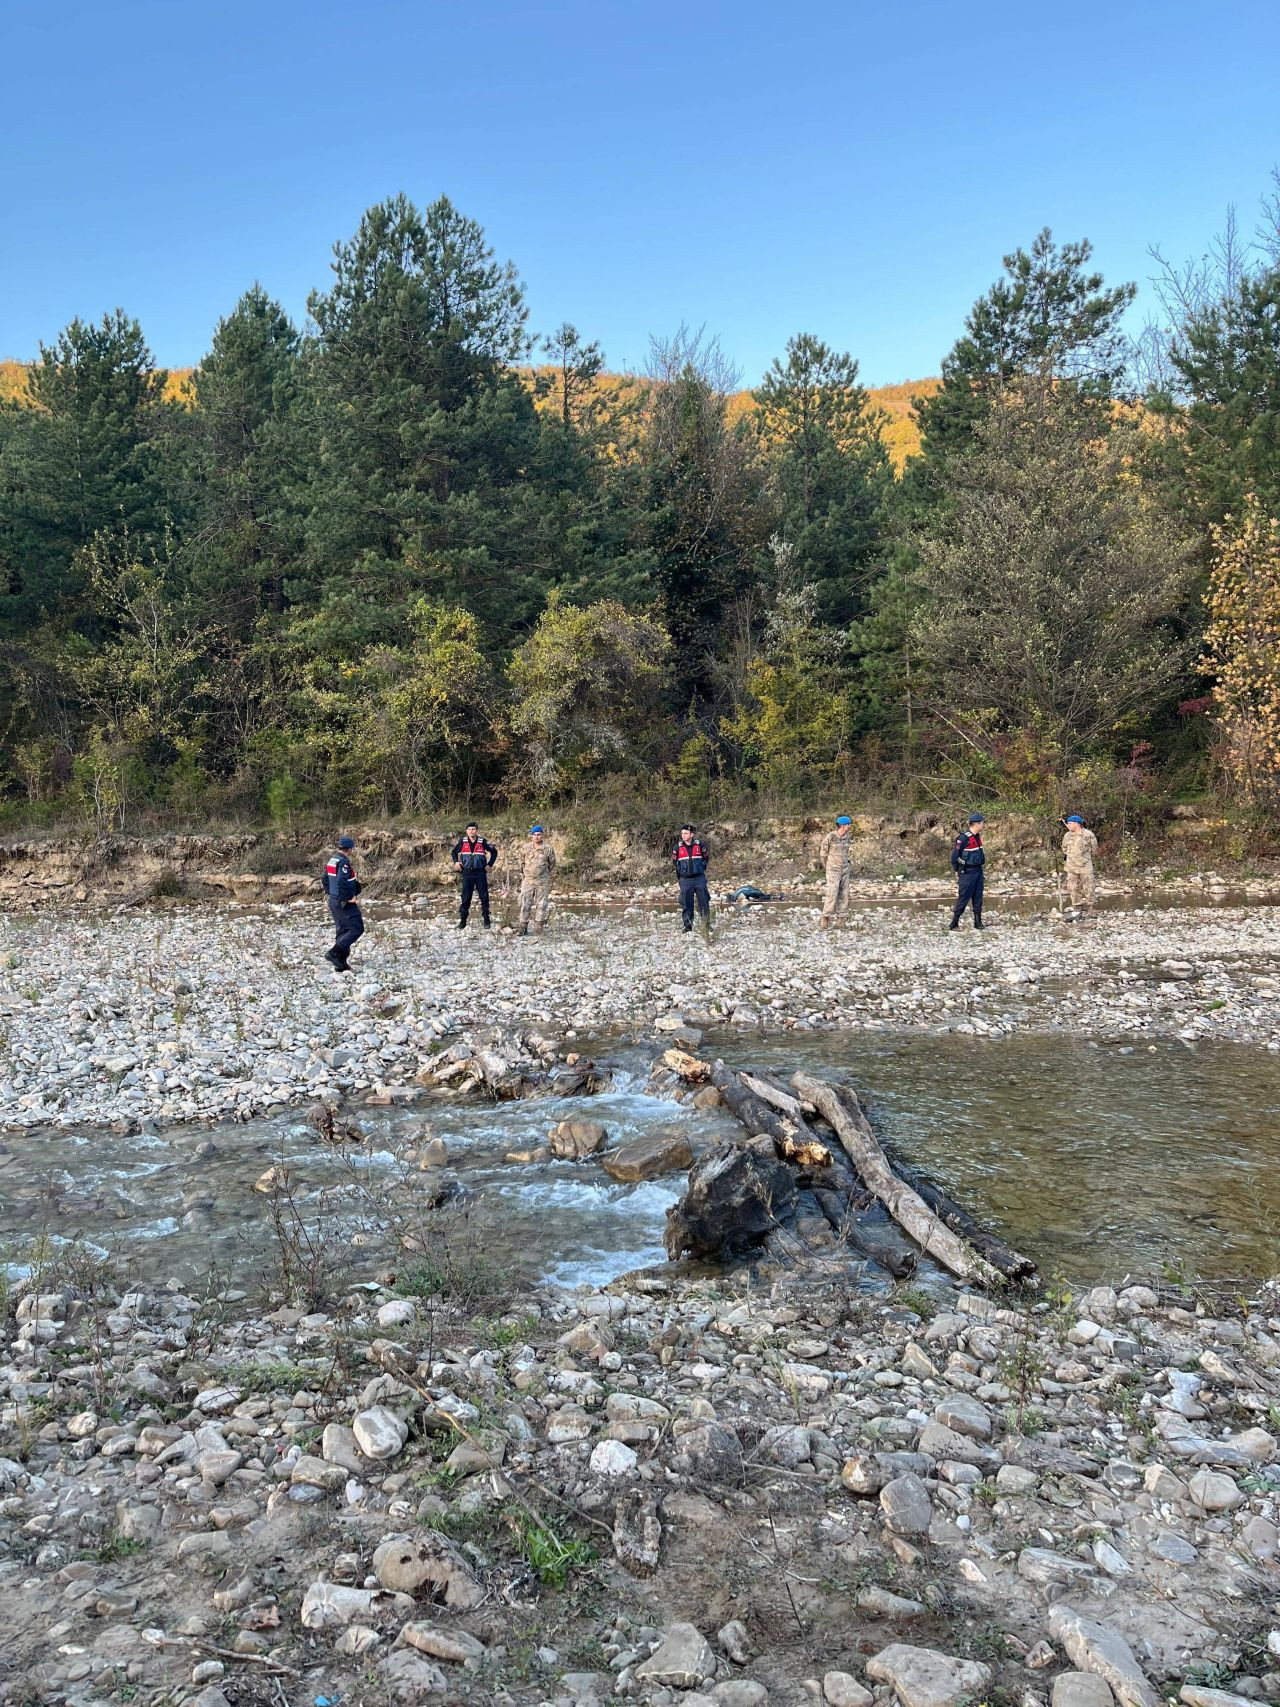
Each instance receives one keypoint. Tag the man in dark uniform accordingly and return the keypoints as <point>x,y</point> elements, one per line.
<point>967,861</point>
<point>341,887</point>
<point>473,856</point>
<point>692,856</point>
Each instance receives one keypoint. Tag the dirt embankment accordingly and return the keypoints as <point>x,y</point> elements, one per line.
<point>283,865</point>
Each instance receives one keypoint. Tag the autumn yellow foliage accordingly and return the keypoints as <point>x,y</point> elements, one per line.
<point>1242,650</point>
<point>901,431</point>
<point>179,385</point>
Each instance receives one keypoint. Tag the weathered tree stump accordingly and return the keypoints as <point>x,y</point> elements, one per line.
<point>737,1194</point>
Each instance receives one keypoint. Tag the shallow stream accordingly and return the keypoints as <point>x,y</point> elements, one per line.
<point>1098,1161</point>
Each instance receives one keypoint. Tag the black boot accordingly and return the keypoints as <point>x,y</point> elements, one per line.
<point>333,957</point>
<point>955,922</point>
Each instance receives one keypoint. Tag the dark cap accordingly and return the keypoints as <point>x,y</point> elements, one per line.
<point>345,843</point>
<point>976,818</point>
<point>684,827</point>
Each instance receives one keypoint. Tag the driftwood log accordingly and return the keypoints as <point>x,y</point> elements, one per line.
<point>785,1190</point>
<point>840,1108</point>
<point>1012,1264</point>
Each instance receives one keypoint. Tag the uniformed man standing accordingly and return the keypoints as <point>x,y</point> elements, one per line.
<point>834,854</point>
<point>341,886</point>
<point>692,856</point>
<point>967,861</point>
<point>535,881</point>
<point>473,857</point>
<point>1079,846</point>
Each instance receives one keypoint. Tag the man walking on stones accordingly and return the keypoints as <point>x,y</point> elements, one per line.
<point>834,854</point>
<point>967,861</point>
<point>692,856</point>
<point>535,881</point>
<point>473,857</point>
<point>341,886</point>
<point>1078,847</point>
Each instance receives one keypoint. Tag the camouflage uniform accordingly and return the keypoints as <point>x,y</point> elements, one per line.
<point>1079,847</point>
<point>834,854</point>
<point>535,884</point>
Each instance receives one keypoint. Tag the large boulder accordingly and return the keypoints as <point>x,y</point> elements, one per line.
<point>921,1677</point>
<point>1092,1647</point>
<point>648,1157</point>
<point>575,1140</point>
<point>428,1566</point>
<point>682,1660</point>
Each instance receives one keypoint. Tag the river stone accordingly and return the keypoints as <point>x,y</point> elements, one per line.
<point>1110,1559</point>
<point>711,1453</point>
<point>1081,1689</point>
<point>574,1140</point>
<point>1196,1696</point>
<point>648,1157</point>
<point>841,1689</point>
<point>1173,1549</point>
<point>397,1313</point>
<point>868,1472</point>
<point>612,1458</point>
<point>207,1550</point>
<point>215,1466</point>
<point>214,1401</point>
<point>329,1606</point>
<point>682,1660</point>
<point>1043,1566</point>
<point>311,1472</point>
<point>408,1677</point>
<point>788,1445</point>
<point>1212,1491</point>
<point>739,1692</point>
<point>1094,1648</point>
<point>1012,1479</point>
<point>921,1677</point>
<point>379,1432</point>
<point>965,1415</point>
<point>634,1407</point>
<point>338,1446</point>
<point>456,1647</point>
<point>939,1442</point>
<point>428,1565</point>
<point>735,1642</point>
<point>906,1506</point>
<point>879,1602</point>
<point>1262,1538</point>
<point>1254,1445</point>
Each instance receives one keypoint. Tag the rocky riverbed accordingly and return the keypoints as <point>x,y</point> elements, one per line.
<point>195,1012</point>
<point>674,1491</point>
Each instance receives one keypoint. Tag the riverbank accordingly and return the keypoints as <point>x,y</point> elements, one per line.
<point>672,1491</point>
<point>191,1012</point>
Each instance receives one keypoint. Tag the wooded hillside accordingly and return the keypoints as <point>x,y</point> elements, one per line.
<point>416,553</point>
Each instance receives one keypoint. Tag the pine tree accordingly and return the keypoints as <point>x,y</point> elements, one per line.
<point>424,431</point>
<point>1049,325</point>
<point>829,470</point>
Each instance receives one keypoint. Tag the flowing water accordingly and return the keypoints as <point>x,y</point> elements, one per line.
<point>1096,1161</point>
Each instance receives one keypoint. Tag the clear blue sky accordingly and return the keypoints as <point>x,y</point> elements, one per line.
<point>849,168</point>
